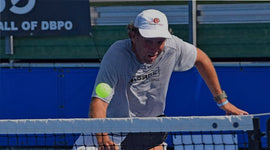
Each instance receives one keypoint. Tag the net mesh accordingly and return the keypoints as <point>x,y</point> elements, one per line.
<point>178,133</point>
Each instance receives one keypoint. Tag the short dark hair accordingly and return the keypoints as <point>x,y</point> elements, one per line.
<point>132,28</point>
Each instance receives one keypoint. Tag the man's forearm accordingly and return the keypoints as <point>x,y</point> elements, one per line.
<point>208,73</point>
<point>98,108</point>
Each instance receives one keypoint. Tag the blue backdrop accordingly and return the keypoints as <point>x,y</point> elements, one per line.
<point>65,92</point>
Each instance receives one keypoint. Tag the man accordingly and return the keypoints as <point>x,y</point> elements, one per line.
<point>139,69</point>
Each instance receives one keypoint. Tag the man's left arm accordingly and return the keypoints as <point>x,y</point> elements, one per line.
<point>208,73</point>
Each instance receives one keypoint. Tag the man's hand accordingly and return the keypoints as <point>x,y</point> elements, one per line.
<point>230,109</point>
<point>105,143</point>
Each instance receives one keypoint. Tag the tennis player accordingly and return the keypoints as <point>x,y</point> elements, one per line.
<point>138,70</point>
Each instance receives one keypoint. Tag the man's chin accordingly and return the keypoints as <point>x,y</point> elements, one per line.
<point>150,62</point>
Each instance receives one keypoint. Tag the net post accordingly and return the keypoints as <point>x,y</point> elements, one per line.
<point>254,136</point>
<point>268,133</point>
<point>192,14</point>
<point>9,50</point>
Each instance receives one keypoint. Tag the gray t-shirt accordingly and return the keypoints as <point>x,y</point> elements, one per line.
<point>139,90</point>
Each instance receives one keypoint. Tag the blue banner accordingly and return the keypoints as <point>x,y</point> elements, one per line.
<point>44,17</point>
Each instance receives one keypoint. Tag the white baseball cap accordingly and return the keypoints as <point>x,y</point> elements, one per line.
<point>152,24</point>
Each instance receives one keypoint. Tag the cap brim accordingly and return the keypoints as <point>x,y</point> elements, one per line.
<point>155,33</point>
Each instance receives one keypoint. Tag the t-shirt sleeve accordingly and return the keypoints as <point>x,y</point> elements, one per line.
<point>107,73</point>
<point>187,54</point>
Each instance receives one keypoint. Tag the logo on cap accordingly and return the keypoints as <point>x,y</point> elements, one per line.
<point>156,20</point>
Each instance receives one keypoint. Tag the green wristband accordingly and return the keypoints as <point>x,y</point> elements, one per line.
<point>221,96</point>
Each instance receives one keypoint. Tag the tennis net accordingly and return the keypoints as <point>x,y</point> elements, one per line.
<point>178,133</point>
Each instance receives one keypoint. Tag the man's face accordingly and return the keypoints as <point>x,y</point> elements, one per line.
<point>148,49</point>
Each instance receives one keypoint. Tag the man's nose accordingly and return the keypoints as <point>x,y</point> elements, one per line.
<point>154,48</point>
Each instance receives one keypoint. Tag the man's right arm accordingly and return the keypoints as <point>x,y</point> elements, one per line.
<point>98,109</point>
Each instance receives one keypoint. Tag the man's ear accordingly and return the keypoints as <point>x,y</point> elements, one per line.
<point>132,36</point>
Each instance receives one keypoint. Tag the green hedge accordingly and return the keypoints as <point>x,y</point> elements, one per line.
<point>217,40</point>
